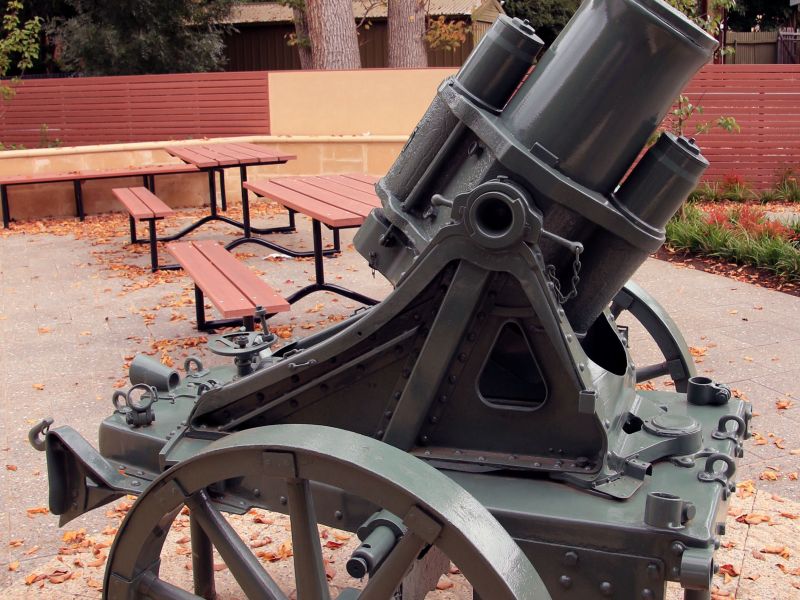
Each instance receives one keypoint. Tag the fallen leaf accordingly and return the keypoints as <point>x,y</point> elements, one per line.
<point>729,569</point>
<point>11,467</point>
<point>444,583</point>
<point>13,566</point>
<point>38,386</point>
<point>37,510</point>
<point>757,555</point>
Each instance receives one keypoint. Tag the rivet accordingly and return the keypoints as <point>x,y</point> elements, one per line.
<point>406,373</point>
<point>462,357</point>
<point>135,483</point>
<point>442,398</point>
<point>434,419</point>
<point>481,459</point>
<point>397,395</point>
<point>379,433</point>
<point>283,501</point>
<point>452,379</point>
<point>569,337</point>
<point>424,439</point>
<point>606,588</point>
<point>581,367</point>
<point>647,594</point>
<point>571,559</point>
<point>653,571</point>
<point>565,581</point>
<point>387,414</point>
<point>257,493</point>
<point>677,548</point>
<point>338,515</point>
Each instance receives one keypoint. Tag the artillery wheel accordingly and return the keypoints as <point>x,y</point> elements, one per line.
<point>678,362</point>
<point>434,509</point>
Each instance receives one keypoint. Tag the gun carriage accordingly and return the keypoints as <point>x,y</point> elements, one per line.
<point>488,407</point>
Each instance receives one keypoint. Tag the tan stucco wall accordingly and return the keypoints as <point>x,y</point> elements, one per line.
<point>334,121</point>
<point>315,155</point>
<point>368,101</point>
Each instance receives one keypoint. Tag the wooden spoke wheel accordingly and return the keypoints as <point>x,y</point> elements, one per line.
<point>678,363</point>
<point>434,510</point>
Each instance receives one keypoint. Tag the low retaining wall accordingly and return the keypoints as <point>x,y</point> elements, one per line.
<point>315,155</point>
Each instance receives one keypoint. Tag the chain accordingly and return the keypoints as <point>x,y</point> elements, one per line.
<point>576,269</point>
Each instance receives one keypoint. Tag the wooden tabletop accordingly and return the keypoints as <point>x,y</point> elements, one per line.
<point>205,156</point>
<point>336,200</point>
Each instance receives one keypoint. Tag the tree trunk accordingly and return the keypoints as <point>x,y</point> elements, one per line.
<point>407,34</point>
<point>302,39</point>
<point>332,29</point>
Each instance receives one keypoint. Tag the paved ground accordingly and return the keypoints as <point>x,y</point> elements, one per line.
<point>77,303</point>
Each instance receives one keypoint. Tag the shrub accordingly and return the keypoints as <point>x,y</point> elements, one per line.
<point>787,188</point>
<point>740,234</point>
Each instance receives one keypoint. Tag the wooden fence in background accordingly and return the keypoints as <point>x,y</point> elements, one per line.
<point>765,101</point>
<point>99,110</point>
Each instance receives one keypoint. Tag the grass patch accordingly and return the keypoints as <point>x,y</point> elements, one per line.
<point>740,234</point>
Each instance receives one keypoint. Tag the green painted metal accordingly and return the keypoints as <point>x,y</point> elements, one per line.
<point>435,511</point>
<point>494,375</point>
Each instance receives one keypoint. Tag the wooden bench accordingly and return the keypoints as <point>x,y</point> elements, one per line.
<point>144,205</point>
<point>77,178</point>
<point>234,289</point>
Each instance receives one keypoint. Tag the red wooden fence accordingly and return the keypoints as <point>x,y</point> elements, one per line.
<point>98,110</point>
<point>765,100</point>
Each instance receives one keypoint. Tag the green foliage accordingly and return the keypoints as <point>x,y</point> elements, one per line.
<point>787,188</point>
<point>548,17</point>
<point>741,235</point>
<point>19,44</point>
<point>444,34</point>
<point>765,15</point>
<point>128,37</point>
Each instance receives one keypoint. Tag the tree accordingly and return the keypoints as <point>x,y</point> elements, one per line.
<point>547,17</point>
<point>19,44</point>
<point>128,37</point>
<point>764,15</point>
<point>332,32</point>
<point>299,39</point>
<point>407,30</point>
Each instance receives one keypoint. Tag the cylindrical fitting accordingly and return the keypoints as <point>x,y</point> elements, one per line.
<point>663,179</point>
<point>697,568</point>
<point>144,369</point>
<point>495,68</point>
<point>372,551</point>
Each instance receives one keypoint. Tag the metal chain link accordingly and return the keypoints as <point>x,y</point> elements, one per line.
<point>576,269</point>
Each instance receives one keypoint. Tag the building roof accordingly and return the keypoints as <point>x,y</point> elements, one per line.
<point>272,12</point>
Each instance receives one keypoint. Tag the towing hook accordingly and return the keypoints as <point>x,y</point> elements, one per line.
<point>39,429</point>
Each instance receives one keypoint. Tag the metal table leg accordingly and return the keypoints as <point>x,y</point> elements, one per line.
<point>245,202</point>
<point>319,284</point>
<point>4,197</point>
<point>222,195</point>
<point>78,187</point>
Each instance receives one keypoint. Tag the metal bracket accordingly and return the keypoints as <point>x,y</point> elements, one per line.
<point>738,434</point>
<point>709,474</point>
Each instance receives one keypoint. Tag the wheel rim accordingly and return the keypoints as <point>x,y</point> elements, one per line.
<point>435,510</point>
<point>678,363</point>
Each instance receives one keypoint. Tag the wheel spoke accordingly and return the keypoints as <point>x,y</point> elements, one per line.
<point>390,574</point>
<point>246,568</point>
<point>309,570</point>
<point>156,589</point>
<point>202,561</point>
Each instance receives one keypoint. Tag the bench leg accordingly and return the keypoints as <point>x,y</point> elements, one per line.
<point>223,198</point>
<point>153,245</point>
<point>78,187</point>
<point>132,221</point>
<point>200,308</point>
<point>245,202</point>
<point>212,191</point>
<point>4,197</point>
<point>291,219</point>
<point>336,241</point>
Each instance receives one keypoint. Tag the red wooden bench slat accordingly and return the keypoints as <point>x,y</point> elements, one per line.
<point>215,280</point>
<point>226,154</point>
<point>191,155</point>
<point>364,177</point>
<point>133,204</point>
<point>97,174</point>
<point>254,289</point>
<point>370,199</point>
<point>326,196</point>
<point>325,213</point>
<point>271,154</point>
<point>153,202</point>
<point>352,183</point>
<point>229,300</point>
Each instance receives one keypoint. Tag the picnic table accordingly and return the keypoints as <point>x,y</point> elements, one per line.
<point>147,173</point>
<point>337,201</point>
<point>214,159</point>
